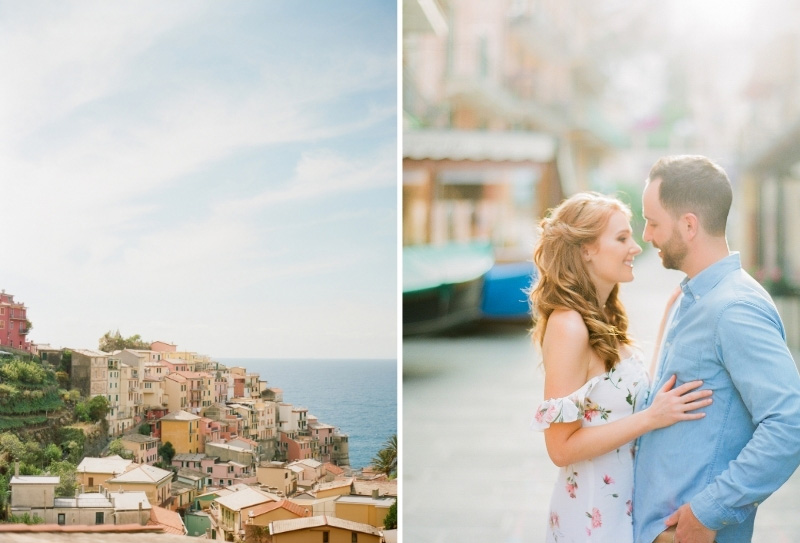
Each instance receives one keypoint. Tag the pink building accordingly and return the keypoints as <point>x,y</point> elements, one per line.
<point>322,436</point>
<point>152,417</point>
<point>220,388</point>
<point>297,448</point>
<point>226,473</point>
<point>238,386</point>
<point>163,347</point>
<point>14,324</point>
<point>211,430</point>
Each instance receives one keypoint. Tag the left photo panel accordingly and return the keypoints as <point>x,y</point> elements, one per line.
<point>198,295</point>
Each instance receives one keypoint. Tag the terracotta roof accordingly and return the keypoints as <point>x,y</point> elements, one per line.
<point>384,487</point>
<point>332,468</point>
<point>336,483</point>
<point>292,507</point>
<point>80,528</point>
<point>170,521</point>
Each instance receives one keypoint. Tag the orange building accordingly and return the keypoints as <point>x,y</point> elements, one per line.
<point>182,429</point>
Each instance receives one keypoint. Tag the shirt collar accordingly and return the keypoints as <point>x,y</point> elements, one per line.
<point>703,282</point>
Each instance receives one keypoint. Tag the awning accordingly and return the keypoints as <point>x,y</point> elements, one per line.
<point>477,146</point>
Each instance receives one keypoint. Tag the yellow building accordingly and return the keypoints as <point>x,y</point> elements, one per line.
<point>182,429</point>
<point>93,472</point>
<point>272,511</point>
<point>155,482</point>
<point>339,487</point>
<point>277,475</point>
<point>144,448</point>
<point>176,392</point>
<point>323,528</point>
<point>364,509</point>
<point>233,510</point>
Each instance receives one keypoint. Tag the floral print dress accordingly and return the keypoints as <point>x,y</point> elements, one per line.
<point>591,502</point>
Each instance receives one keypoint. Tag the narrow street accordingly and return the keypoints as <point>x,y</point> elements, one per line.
<point>473,471</point>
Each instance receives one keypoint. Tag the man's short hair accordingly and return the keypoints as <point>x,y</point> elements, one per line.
<point>694,184</point>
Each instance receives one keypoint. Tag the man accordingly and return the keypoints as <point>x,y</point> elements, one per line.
<point>704,479</point>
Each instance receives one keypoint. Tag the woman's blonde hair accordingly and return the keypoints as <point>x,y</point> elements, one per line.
<point>564,280</point>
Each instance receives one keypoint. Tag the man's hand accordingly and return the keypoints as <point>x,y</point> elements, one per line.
<point>689,529</point>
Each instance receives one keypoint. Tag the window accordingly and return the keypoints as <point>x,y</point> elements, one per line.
<point>61,519</point>
<point>98,518</point>
<point>353,537</point>
<point>91,481</point>
<point>325,537</point>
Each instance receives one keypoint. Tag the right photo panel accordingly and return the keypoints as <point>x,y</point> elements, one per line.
<point>600,271</point>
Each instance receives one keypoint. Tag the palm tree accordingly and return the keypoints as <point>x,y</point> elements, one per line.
<point>386,459</point>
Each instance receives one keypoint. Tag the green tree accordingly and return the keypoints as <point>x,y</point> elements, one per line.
<point>74,451</point>
<point>167,453</point>
<point>390,521</point>
<point>52,453</point>
<point>12,445</point>
<point>82,411</point>
<point>66,473</point>
<point>113,341</point>
<point>386,459</point>
<point>144,429</point>
<point>98,408</point>
<point>116,447</point>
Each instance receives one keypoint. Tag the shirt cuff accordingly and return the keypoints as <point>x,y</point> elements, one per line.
<point>714,516</point>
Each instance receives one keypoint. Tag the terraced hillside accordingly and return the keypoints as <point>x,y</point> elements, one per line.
<point>28,393</point>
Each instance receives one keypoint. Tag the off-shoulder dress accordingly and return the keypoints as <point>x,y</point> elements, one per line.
<point>591,501</point>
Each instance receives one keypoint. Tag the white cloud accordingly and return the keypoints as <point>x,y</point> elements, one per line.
<point>91,139</point>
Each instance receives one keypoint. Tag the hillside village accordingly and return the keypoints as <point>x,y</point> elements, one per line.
<point>191,447</point>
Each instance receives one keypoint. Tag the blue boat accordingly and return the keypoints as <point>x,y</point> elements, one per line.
<point>505,292</point>
<point>443,285</point>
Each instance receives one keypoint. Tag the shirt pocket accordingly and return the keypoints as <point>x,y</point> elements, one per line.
<point>683,360</point>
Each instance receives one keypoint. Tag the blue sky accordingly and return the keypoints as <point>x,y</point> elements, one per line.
<point>219,175</point>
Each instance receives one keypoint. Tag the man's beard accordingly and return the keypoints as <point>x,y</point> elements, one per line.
<point>673,252</point>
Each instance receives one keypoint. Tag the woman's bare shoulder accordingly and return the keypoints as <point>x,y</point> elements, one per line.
<point>567,322</point>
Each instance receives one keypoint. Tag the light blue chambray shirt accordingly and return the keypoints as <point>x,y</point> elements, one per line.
<point>728,333</point>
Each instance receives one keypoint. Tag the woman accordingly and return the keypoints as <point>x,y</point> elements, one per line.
<point>593,377</point>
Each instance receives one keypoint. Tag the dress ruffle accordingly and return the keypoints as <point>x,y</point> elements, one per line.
<point>567,409</point>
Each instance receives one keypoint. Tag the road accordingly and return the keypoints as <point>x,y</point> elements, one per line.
<point>472,470</point>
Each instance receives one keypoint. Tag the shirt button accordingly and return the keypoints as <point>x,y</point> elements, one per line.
<point>697,297</point>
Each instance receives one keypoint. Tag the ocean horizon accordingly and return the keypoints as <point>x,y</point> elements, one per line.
<point>357,396</point>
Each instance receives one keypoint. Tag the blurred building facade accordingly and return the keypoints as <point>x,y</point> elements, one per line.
<point>770,150</point>
<point>502,115</point>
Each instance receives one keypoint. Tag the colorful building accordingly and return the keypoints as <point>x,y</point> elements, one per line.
<point>323,528</point>
<point>93,472</point>
<point>182,429</point>
<point>144,448</point>
<point>155,482</point>
<point>14,323</point>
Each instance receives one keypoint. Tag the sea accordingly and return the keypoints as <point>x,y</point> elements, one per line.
<point>359,397</point>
